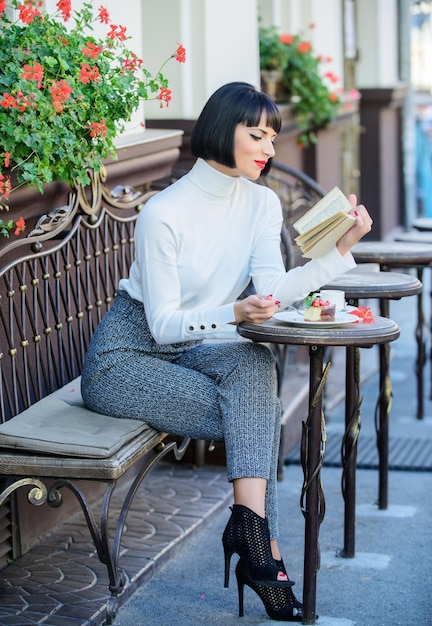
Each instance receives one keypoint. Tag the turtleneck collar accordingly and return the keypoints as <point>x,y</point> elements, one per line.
<point>212,181</point>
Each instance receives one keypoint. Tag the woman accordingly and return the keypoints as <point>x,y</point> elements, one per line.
<point>198,244</point>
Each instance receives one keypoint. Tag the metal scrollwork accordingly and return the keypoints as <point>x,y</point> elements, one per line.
<point>352,430</point>
<point>125,197</point>
<point>92,206</point>
<point>122,196</point>
<point>310,477</point>
<point>88,199</point>
<point>55,497</point>
<point>36,496</point>
<point>52,221</point>
<point>124,193</point>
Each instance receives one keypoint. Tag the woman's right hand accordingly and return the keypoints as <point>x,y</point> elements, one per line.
<point>361,227</point>
<point>255,309</point>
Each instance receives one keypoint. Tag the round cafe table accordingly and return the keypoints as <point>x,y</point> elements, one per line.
<point>415,236</point>
<point>391,255</point>
<point>312,503</point>
<point>385,286</point>
<point>423,224</point>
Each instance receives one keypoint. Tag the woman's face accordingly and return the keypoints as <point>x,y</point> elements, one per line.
<point>253,147</point>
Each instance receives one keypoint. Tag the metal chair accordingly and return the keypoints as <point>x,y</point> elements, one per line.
<point>298,193</point>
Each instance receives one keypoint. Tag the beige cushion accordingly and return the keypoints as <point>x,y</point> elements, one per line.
<point>60,424</point>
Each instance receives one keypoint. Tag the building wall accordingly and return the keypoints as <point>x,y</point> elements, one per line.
<point>221,41</point>
<point>378,46</point>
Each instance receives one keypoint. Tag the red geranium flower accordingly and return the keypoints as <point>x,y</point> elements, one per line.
<point>180,54</point>
<point>60,91</point>
<point>33,72</point>
<point>87,73</point>
<point>91,50</point>
<point>27,13</point>
<point>304,47</point>
<point>19,226</point>
<point>98,129</point>
<point>64,6</point>
<point>164,96</point>
<point>104,15</point>
<point>286,39</point>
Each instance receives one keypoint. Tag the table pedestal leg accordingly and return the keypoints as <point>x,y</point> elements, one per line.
<point>430,331</point>
<point>349,447</point>
<point>382,414</point>
<point>312,498</point>
<point>421,349</point>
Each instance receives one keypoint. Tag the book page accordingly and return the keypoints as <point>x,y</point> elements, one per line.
<point>319,245</point>
<point>322,228</point>
<point>333,202</point>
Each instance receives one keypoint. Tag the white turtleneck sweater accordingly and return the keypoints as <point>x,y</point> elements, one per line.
<point>197,245</point>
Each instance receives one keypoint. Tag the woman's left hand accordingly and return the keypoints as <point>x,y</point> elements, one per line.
<point>255,308</point>
<point>361,227</point>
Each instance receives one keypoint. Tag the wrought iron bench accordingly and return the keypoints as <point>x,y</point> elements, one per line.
<point>55,285</point>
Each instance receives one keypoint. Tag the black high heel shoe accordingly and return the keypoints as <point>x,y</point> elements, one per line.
<point>248,534</point>
<point>280,603</point>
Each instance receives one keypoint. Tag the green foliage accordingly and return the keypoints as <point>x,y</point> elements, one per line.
<point>271,49</point>
<point>314,104</point>
<point>65,94</point>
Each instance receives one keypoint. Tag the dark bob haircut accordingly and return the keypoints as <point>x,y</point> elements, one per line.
<point>233,104</point>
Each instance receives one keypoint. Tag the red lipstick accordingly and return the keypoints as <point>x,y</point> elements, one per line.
<point>261,164</point>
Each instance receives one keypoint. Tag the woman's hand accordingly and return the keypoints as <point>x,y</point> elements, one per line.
<point>358,230</point>
<point>255,309</point>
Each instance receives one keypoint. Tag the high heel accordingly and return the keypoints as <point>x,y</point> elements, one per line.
<point>248,534</point>
<point>279,603</point>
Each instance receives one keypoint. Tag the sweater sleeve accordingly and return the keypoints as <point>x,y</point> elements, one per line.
<point>301,280</point>
<point>268,272</point>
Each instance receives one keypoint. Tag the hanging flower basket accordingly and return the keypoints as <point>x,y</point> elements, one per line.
<point>65,95</point>
<point>314,95</point>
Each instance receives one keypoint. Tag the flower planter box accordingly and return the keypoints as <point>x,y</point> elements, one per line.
<point>142,159</point>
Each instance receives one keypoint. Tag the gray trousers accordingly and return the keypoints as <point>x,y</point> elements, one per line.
<point>209,391</point>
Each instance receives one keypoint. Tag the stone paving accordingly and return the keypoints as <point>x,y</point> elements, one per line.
<point>387,583</point>
<point>60,582</point>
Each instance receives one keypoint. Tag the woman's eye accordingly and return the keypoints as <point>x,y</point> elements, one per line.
<point>256,137</point>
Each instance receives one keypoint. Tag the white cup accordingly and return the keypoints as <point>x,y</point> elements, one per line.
<point>334,296</point>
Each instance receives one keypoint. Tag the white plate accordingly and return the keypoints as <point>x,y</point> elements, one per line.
<point>296,319</point>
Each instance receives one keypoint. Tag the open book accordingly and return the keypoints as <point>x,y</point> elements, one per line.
<point>324,224</point>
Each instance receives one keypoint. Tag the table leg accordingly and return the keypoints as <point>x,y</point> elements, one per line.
<point>382,414</point>
<point>312,501</point>
<point>430,329</point>
<point>349,447</point>
<point>421,349</point>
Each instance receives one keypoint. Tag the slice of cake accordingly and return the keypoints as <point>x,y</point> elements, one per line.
<point>318,310</point>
